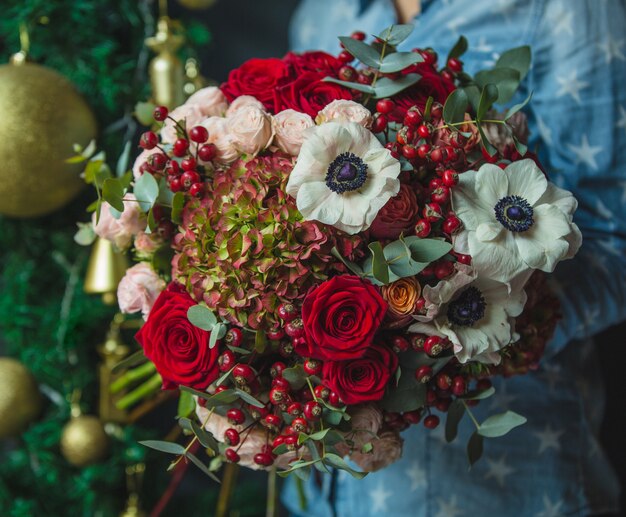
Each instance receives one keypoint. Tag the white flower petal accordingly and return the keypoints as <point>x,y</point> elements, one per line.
<point>487,232</point>
<point>492,184</point>
<point>497,259</point>
<point>562,199</point>
<point>526,180</point>
<point>311,195</point>
<point>329,211</point>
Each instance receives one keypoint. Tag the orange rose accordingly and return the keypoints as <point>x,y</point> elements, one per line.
<point>401,296</point>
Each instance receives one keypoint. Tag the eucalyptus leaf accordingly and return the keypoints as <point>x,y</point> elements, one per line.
<point>223,377</point>
<point>473,94</point>
<point>350,265</point>
<point>202,317</point>
<point>474,448</point>
<point>198,463</point>
<point>380,269</point>
<point>506,79</point>
<point>152,225</point>
<point>178,202</point>
<point>514,109</point>
<point>218,399</point>
<point>409,395</point>
<point>338,462</point>
<point>517,58</point>
<point>113,192</point>
<point>399,61</point>
<point>281,449</point>
<point>479,395</point>
<point>386,87</point>
<point>459,48</point>
<point>133,359</point>
<point>396,34</point>
<point>519,146</point>
<point>143,113</point>
<point>246,397</point>
<point>166,195</point>
<point>295,376</point>
<point>205,438</point>
<point>122,163</point>
<point>334,418</point>
<point>488,96</point>
<point>146,191</point>
<point>427,250</point>
<point>362,51</point>
<point>365,88</point>
<point>167,447</point>
<point>453,418</point>
<point>186,404</point>
<point>319,435</point>
<point>455,107</point>
<point>260,341</point>
<point>213,339</point>
<point>487,145</point>
<point>501,424</point>
<point>162,259</point>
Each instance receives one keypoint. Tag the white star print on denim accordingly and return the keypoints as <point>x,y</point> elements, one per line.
<point>582,146</point>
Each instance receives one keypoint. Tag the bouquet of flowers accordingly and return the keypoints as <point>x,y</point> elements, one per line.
<point>334,248</point>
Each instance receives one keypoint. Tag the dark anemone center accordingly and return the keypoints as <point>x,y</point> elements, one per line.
<point>514,213</point>
<point>468,308</point>
<point>347,172</point>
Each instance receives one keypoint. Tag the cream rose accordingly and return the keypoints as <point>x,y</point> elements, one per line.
<point>141,159</point>
<point>251,130</point>
<point>139,289</point>
<point>366,420</point>
<point>120,231</point>
<point>342,110</point>
<point>190,113</point>
<point>210,101</point>
<point>289,126</point>
<point>220,136</point>
<point>243,102</point>
<point>147,243</point>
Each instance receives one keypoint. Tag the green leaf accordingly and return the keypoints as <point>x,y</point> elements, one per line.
<point>367,447</point>
<point>178,202</point>
<point>202,467</point>
<point>281,449</point>
<point>365,88</point>
<point>246,397</point>
<point>218,399</point>
<point>167,447</point>
<point>85,236</point>
<point>427,250</point>
<point>479,395</point>
<point>205,438</point>
<point>474,448</point>
<point>152,225</point>
<point>501,424</point>
<point>214,335</point>
<point>162,259</point>
<point>223,377</point>
<point>350,265</point>
<point>459,48</point>
<point>396,34</point>
<point>473,94</point>
<point>362,51</point>
<point>122,162</point>
<point>165,196</point>
<point>487,145</point>
<point>455,414</point>
<point>519,146</point>
<point>113,192</point>
<point>337,461</point>
<point>399,61</point>
<point>488,96</point>
<point>143,113</point>
<point>516,58</point>
<point>409,394</point>
<point>334,418</point>
<point>455,107</point>
<point>260,341</point>
<point>146,191</point>
<point>386,87</point>
<point>506,79</point>
<point>133,359</point>
<point>380,270</point>
<point>202,317</point>
<point>512,111</point>
<point>186,404</point>
<point>295,376</point>
<point>427,108</point>
<point>319,435</point>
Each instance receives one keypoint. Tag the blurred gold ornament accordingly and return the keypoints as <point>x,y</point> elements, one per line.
<point>166,69</point>
<point>194,80</point>
<point>134,480</point>
<point>84,440</point>
<point>197,4</point>
<point>20,400</point>
<point>105,270</point>
<point>43,116</point>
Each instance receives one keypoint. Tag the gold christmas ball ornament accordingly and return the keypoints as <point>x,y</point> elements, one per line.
<point>196,4</point>
<point>20,400</point>
<point>84,441</point>
<point>42,116</point>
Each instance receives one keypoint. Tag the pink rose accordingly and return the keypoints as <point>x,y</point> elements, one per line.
<point>191,114</point>
<point>219,134</point>
<point>210,101</point>
<point>141,159</point>
<point>366,420</point>
<point>289,126</point>
<point>147,243</point>
<point>251,130</point>
<point>243,102</point>
<point>139,289</point>
<point>342,110</point>
<point>386,449</point>
<point>120,231</point>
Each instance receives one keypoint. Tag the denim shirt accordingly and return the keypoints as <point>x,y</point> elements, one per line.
<point>553,465</point>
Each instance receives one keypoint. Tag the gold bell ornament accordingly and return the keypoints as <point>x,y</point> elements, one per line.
<point>105,270</point>
<point>83,440</point>
<point>197,4</point>
<point>43,116</point>
<point>20,400</point>
<point>134,480</point>
<point>166,69</point>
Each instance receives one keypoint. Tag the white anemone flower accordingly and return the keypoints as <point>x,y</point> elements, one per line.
<point>514,220</point>
<point>475,314</point>
<point>343,176</point>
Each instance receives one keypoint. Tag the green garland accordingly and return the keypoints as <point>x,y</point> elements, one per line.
<point>46,320</point>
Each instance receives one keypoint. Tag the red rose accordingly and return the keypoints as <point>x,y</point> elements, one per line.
<point>398,215</point>
<point>257,77</point>
<point>340,318</point>
<point>179,350</point>
<point>430,85</point>
<point>363,379</point>
<point>309,94</point>
<point>314,61</point>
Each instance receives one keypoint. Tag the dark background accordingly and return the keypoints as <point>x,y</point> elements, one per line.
<point>245,29</point>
